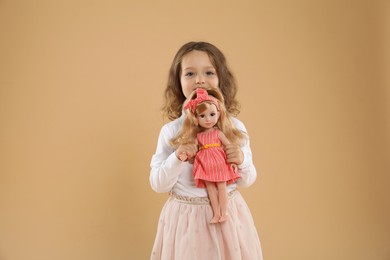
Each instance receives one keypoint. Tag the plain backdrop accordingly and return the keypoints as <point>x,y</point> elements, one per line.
<point>81,87</point>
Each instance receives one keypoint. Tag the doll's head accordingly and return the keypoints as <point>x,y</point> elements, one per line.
<point>206,115</point>
<point>204,107</point>
<point>174,96</point>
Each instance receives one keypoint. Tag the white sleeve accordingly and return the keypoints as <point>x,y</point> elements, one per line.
<point>165,166</point>
<point>247,169</point>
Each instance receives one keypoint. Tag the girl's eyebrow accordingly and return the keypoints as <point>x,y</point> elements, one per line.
<point>192,68</point>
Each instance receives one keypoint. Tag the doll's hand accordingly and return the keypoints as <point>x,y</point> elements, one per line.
<point>234,154</point>
<point>186,152</point>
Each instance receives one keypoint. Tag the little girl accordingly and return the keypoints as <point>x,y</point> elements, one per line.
<point>206,123</point>
<point>184,231</point>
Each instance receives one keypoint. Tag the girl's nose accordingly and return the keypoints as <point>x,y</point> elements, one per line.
<point>199,80</point>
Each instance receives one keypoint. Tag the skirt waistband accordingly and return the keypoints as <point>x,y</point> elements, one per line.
<point>196,200</point>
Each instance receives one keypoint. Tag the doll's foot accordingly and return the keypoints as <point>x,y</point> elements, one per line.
<point>223,218</point>
<point>215,220</point>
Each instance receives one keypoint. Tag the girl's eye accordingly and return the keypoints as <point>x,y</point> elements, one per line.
<point>210,73</point>
<point>189,74</point>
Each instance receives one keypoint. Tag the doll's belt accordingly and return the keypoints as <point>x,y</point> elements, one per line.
<point>209,146</point>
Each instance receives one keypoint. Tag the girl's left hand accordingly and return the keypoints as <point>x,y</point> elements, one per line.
<point>234,154</point>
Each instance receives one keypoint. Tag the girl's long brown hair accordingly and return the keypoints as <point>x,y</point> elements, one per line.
<point>174,96</point>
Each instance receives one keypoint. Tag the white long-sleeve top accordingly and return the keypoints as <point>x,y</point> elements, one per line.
<point>168,173</point>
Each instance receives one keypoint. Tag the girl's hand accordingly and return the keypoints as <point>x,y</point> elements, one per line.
<point>234,154</point>
<point>234,167</point>
<point>186,152</point>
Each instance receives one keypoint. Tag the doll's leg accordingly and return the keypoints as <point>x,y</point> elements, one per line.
<point>223,201</point>
<point>213,195</point>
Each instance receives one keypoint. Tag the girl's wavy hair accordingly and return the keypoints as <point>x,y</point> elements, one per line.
<point>190,127</point>
<point>174,96</point>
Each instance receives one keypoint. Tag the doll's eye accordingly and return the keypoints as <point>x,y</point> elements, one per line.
<point>201,116</point>
<point>212,114</point>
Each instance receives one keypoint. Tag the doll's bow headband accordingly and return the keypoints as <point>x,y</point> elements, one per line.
<point>201,96</point>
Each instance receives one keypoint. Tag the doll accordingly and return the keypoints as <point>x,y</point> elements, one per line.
<point>208,125</point>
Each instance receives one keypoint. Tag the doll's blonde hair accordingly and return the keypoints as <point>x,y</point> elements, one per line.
<point>174,96</point>
<point>190,128</point>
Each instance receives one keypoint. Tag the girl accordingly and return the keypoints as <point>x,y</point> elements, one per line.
<point>206,124</point>
<point>183,230</point>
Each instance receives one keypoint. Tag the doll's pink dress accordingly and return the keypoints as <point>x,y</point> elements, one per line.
<point>210,161</point>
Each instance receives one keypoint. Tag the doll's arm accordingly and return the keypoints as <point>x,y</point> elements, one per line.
<point>223,138</point>
<point>191,160</point>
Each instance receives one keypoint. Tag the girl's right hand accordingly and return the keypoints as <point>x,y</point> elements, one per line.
<point>186,152</point>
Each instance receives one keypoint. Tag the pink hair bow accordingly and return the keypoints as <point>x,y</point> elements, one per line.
<point>201,96</point>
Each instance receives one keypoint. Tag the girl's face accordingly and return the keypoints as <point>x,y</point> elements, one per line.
<point>197,71</point>
<point>209,117</point>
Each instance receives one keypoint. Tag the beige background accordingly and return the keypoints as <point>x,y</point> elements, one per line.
<point>81,86</point>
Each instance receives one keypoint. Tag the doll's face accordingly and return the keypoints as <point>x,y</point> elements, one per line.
<point>209,117</point>
<point>197,71</point>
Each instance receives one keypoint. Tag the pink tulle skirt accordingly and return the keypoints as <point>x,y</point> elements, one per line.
<point>184,231</point>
